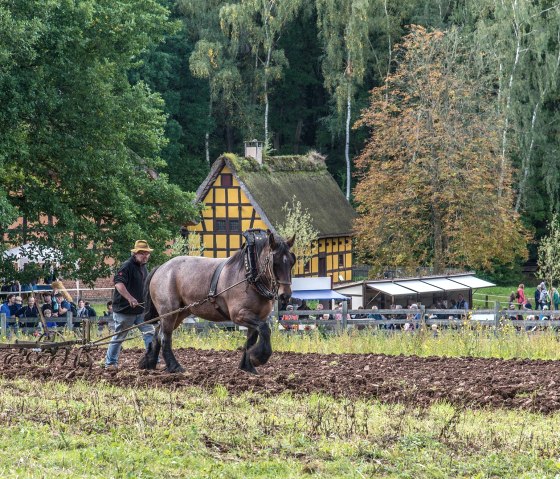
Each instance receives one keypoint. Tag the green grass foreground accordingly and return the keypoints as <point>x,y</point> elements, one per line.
<point>68,431</point>
<point>476,342</point>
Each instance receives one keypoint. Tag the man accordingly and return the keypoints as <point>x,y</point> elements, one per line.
<point>49,303</point>
<point>127,298</point>
<point>62,306</point>
<point>6,307</point>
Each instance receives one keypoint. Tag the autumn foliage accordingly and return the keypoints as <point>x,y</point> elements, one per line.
<point>427,188</point>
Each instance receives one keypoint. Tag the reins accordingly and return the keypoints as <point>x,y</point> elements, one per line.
<point>99,341</point>
<point>255,273</point>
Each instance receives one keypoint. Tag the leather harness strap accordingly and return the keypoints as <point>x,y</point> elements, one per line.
<point>214,287</point>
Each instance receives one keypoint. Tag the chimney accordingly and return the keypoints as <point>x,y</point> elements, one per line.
<point>254,149</point>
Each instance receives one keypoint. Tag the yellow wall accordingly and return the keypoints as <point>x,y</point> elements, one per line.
<point>231,203</point>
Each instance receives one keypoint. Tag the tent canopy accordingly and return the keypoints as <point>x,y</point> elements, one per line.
<point>319,294</point>
<point>32,253</point>
<point>314,288</point>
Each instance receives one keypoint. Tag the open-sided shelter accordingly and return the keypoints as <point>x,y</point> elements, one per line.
<point>426,290</point>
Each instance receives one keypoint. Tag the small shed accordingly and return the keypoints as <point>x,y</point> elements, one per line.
<point>429,291</point>
<point>315,288</point>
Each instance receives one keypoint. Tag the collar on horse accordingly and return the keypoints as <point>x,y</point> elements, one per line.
<point>253,275</point>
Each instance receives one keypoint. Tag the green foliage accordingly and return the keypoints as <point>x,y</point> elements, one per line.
<point>299,223</point>
<point>549,254</point>
<point>80,144</point>
<point>191,245</point>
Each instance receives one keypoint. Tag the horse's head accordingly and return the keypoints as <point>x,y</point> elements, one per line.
<point>283,261</point>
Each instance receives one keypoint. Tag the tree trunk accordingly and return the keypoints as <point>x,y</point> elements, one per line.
<point>297,136</point>
<point>506,113</point>
<point>347,146</point>
<point>207,135</point>
<point>526,162</point>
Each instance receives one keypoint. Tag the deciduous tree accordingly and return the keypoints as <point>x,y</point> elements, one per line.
<point>80,145</point>
<point>429,175</point>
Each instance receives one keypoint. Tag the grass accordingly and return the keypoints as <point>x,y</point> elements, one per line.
<point>68,431</point>
<point>477,342</point>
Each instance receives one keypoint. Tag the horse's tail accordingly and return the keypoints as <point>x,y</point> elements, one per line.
<point>150,358</point>
<point>150,311</point>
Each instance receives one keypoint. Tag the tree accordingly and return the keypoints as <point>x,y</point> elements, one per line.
<point>549,254</point>
<point>344,29</point>
<point>299,223</point>
<point>428,177</point>
<point>258,26</point>
<point>80,144</point>
<point>189,245</point>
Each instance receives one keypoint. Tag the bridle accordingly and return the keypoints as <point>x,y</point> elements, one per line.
<point>260,275</point>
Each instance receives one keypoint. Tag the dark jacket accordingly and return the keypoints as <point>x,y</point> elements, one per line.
<point>132,275</point>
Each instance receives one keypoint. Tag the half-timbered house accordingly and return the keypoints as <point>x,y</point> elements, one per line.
<point>242,193</point>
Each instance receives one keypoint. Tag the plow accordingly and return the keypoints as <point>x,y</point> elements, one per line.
<point>52,346</point>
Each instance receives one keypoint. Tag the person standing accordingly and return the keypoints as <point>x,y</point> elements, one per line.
<point>128,296</point>
<point>520,296</point>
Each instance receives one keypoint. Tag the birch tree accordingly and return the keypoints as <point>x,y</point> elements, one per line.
<point>344,27</point>
<point>257,26</point>
<point>549,253</point>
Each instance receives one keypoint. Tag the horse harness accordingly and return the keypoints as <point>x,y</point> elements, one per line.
<point>252,274</point>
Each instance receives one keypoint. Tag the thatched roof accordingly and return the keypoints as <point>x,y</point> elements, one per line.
<point>271,185</point>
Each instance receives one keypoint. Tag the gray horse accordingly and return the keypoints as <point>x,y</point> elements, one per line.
<point>240,288</point>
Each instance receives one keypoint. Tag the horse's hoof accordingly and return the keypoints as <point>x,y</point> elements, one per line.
<point>176,369</point>
<point>249,369</point>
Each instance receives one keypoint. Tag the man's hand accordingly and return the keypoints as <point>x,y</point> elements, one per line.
<point>133,303</point>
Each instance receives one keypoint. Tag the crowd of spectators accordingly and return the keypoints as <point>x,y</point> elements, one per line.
<point>54,309</point>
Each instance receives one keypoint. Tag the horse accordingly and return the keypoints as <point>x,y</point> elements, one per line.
<point>240,288</point>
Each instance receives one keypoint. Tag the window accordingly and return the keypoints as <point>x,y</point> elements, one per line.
<point>226,179</point>
<point>307,267</point>
<point>221,226</point>
<point>234,225</point>
<point>341,261</point>
<point>227,226</point>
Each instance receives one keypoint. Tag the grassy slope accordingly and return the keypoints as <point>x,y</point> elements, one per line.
<point>69,431</point>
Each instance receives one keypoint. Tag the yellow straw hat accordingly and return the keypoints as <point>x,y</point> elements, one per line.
<point>141,245</point>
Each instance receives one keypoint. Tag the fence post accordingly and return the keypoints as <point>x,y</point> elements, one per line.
<point>423,317</point>
<point>496,317</point>
<point>3,323</point>
<point>69,324</point>
<point>344,315</point>
<point>486,302</point>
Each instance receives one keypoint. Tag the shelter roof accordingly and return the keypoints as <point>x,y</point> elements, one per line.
<point>278,180</point>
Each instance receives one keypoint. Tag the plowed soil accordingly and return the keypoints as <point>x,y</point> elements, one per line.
<point>523,384</point>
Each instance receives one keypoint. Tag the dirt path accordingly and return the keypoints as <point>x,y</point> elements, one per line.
<point>525,384</point>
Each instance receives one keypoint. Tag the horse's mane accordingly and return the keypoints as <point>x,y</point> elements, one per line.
<point>260,242</point>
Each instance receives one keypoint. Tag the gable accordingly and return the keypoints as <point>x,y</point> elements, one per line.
<point>269,190</point>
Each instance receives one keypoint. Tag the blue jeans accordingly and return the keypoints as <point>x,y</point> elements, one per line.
<point>124,321</point>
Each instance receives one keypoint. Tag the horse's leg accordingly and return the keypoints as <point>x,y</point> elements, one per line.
<point>260,353</point>
<point>256,352</point>
<point>150,358</point>
<point>167,326</point>
<point>245,364</point>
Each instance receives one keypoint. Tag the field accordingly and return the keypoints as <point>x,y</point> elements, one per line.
<point>317,409</point>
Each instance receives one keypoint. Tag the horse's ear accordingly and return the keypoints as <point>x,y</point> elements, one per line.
<point>291,241</point>
<point>271,240</point>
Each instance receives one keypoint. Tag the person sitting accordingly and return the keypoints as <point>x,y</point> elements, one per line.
<point>303,306</point>
<point>290,317</point>
<point>463,304</point>
<point>18,304</point>
<point>375,316</point>
<point>91,312</point>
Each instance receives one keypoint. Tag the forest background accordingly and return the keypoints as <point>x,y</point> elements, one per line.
<point>114,111</point>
